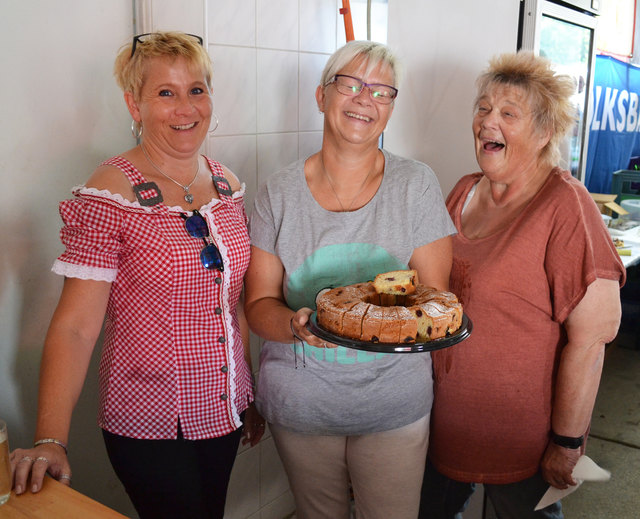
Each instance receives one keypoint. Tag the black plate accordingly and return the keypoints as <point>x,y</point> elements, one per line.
<point>386,347</point>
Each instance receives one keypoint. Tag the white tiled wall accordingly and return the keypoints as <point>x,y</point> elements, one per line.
<point>267,57</point>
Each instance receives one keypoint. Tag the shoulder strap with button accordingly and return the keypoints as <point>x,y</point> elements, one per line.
<point>219,181</point>
<point>147,193</point>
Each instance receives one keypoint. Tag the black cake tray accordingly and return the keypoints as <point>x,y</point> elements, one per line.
<point>386,347</point>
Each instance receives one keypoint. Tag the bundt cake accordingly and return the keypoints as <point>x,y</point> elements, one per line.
<point>382,312</point>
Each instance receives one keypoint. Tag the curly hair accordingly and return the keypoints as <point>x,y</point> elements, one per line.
<point>549,94</point>
<point>129,70</point>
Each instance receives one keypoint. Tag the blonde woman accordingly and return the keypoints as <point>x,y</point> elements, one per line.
<point>346,417</point>
<point>157,240</point>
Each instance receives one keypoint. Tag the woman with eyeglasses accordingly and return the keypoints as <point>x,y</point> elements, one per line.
<point>343,417</point>
<point>157,240</point>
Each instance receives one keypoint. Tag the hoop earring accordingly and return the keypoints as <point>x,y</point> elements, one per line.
<point>136,129</point>
<point>211,130</point>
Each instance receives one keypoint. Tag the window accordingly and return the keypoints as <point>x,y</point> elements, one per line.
<point>615,28</point>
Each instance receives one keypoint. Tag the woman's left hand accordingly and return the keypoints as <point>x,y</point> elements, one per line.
<point>557,465</point>
<point>253,427</point>
<point>592,324</point>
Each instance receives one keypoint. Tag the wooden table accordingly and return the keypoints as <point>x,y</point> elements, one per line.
<point>55,501</point>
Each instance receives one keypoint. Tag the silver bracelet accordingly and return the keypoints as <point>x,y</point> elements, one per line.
<point>51,440</point>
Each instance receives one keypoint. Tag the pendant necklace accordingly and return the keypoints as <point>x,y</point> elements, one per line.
<point>348,209</point>
<point>188,197</point>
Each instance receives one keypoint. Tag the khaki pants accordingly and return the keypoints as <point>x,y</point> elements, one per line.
<point>385,470</point>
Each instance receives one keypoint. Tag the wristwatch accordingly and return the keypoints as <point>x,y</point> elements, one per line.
<point>568,442</point>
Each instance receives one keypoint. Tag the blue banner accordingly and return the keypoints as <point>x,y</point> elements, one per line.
<point>613,122</point>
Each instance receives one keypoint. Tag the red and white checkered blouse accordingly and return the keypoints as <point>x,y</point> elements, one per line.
<point>172,345</point>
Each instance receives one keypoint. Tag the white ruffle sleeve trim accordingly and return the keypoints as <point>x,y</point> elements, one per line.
<point>70,270</point>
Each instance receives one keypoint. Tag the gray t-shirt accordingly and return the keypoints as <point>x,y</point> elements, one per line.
<point>344,391</point>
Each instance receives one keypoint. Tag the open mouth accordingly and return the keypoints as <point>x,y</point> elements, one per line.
<point>358,116</point>
<point>184,126</point>
<point>492,146</point>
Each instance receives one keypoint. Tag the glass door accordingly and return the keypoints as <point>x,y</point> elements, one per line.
<point>567,38</point>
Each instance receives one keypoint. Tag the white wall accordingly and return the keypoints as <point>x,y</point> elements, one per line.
<point>63,114</point>
<point>444,46</point>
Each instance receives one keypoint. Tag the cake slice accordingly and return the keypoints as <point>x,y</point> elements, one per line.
<point>439,317</point>
<point>390,326</point>
<point>331,310</point>
<point>352,321</point>
<point>409,329</point>
<point>424,323</point>
<point>396,282</point>
<point>371,324</point>
<point>367,293</point>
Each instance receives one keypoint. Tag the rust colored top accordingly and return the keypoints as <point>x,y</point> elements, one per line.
<point>493,393</point>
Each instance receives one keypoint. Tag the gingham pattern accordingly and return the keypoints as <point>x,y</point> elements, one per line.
<point>172,344</point>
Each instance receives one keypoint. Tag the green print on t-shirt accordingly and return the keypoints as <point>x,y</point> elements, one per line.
<point>335,266</point>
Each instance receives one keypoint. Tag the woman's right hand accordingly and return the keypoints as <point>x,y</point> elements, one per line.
<point>299,329</point>
<point>29,467</point>
<point>72,334</point>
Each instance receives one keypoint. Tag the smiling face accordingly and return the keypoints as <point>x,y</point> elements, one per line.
<point>356,119</point>
<point>508,145</point>
<point>174,106</point>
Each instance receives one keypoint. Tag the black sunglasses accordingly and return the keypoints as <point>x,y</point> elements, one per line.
<point>141,37</point>
<point>197,227</point>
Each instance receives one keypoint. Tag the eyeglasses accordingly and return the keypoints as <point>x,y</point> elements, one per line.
<point>141,38</point>
<point>352,86</point>
<point>197,227</point>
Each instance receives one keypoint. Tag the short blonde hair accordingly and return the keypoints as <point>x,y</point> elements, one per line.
<point>549,94</point>
<point>129,70</point>
<point>372,52</point>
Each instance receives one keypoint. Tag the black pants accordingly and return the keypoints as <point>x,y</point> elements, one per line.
<point>444,498</point>
<point>174,478</point>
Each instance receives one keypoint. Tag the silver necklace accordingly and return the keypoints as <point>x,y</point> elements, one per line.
<point>188,197</point>
<point>348,209</point>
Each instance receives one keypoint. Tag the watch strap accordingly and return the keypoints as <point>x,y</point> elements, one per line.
<point>568,442</point>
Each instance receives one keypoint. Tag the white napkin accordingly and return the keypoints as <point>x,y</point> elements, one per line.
<point>585,470</point>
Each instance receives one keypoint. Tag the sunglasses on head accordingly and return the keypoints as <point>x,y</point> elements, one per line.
<point>141,38</point>
<point>197,227</point>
